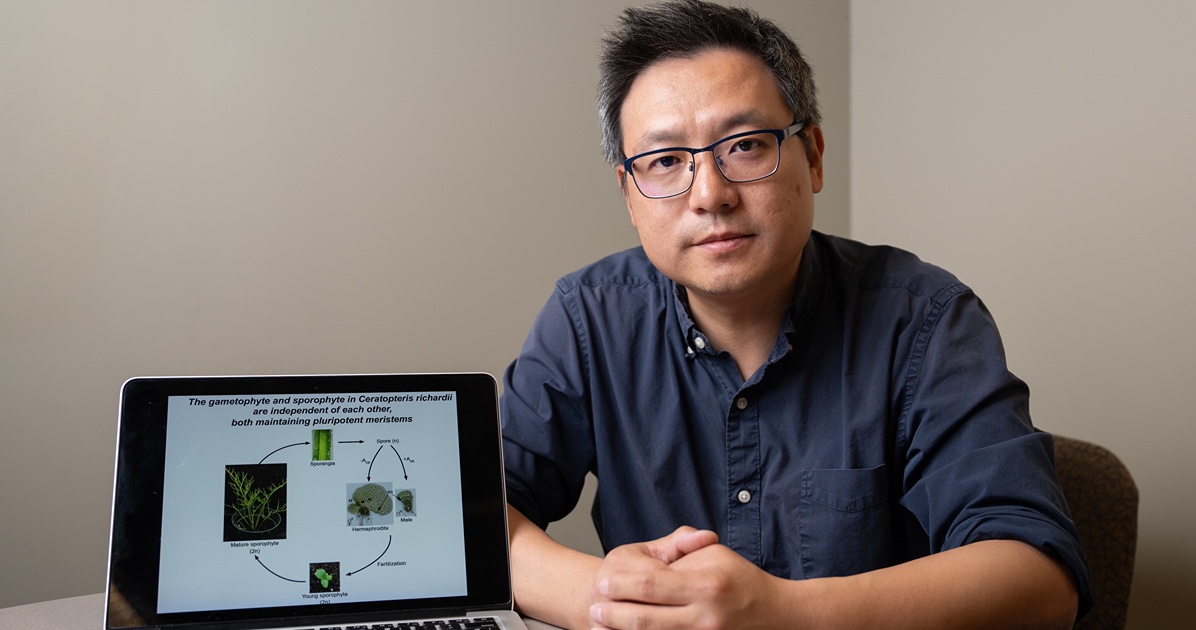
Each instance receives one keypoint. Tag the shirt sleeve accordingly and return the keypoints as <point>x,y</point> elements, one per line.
<point>548,444</point>
<point>975,467</point>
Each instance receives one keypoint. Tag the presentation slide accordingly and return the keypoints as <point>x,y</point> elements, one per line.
<point>312,499</point>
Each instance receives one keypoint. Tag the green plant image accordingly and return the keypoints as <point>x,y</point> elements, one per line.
<point>324,577</point>
<point>321,445</point>
<point>252,507</point>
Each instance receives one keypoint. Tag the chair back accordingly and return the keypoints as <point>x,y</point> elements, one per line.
<point>1103,501</point>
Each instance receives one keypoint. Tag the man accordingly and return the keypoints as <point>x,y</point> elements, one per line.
<point>789,429</point>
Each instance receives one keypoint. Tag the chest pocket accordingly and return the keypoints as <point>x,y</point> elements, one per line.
<point>843,521</point>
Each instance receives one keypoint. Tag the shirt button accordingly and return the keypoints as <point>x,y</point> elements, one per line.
<point>741,404</point>
<point>744,496</point>
<point>700,343</point>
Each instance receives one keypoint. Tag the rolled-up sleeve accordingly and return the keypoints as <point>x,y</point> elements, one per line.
<point>976,469</point>
<point>548,444</point>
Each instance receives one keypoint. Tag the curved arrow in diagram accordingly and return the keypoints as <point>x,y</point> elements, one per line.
<point>259,561</point>
<point>280,448</point>
<point>400,461</point>
<point>388,541</point>
<point>371,470</point>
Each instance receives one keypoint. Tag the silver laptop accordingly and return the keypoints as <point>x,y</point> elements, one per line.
<point>336,501</point>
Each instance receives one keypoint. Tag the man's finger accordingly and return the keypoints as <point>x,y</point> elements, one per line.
<point>685,540</point>
<point>666,588</point>
<point>695,540</point>
<point>617,615</point>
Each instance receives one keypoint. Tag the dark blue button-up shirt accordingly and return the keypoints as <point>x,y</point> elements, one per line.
<point>884,426</point>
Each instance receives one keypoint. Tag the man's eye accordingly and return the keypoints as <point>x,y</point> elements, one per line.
<point>665,162</point>
<point>746,145</point>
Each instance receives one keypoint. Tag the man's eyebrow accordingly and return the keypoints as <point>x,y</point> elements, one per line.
<point>672,137</point>
<point>749,118</point>
<point>669,137</point>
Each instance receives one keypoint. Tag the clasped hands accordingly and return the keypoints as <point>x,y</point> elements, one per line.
<point>684,580</point>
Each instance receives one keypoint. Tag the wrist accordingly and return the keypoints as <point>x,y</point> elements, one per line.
<point>806,603</point>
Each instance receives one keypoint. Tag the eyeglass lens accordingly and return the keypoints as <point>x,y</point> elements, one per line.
<point>740,159</point>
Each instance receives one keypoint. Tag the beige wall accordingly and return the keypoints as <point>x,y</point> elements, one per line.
<point>1044,152</point>
<point>282,187</point>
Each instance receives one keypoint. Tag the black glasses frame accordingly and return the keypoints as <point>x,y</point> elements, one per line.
<point>781,135</point>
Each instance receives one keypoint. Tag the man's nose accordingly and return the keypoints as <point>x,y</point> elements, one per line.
<point>710,191</point>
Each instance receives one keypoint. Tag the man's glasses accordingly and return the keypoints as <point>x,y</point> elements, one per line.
<point>743,157</point>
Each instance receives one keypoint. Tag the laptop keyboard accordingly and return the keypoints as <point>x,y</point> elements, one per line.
<point>478,623</point>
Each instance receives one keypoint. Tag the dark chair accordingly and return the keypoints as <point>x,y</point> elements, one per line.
<point>1104,503</point>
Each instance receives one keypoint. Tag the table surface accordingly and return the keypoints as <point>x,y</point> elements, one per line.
<point>86,612</point>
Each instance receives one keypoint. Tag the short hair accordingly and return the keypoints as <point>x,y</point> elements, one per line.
<point>685,28</point>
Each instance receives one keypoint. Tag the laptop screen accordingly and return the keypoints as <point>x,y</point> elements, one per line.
<point>255,498</point>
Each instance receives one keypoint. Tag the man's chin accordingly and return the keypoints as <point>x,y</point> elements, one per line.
<point>726,282</point>
<point>720,286</point>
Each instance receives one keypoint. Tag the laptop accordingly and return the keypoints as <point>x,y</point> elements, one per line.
<point>334,501</point>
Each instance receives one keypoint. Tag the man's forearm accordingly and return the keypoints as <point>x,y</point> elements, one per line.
<point>989,584</point>
<point>552,582</point>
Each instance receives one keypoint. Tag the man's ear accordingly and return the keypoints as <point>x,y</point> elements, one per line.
<point>814,150</point>
<point>625,188</point>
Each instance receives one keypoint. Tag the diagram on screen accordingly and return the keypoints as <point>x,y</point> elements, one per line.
<point>311,514</point>
<point>256,504</point>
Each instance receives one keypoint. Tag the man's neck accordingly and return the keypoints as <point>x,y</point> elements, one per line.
<point>745,328</point>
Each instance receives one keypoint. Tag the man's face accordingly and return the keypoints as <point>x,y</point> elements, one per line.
<point>720,238</point>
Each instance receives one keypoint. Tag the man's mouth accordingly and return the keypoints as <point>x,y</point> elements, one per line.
<point>722,242</point>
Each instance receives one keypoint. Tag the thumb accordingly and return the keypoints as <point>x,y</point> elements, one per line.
<point>685,540</point>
